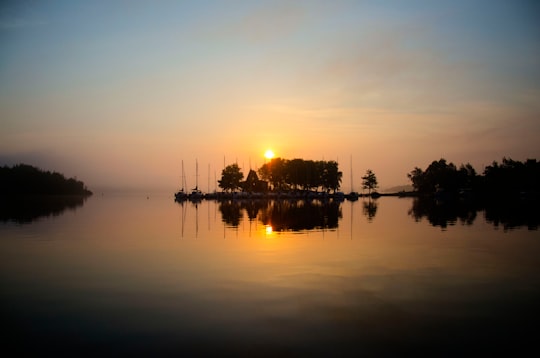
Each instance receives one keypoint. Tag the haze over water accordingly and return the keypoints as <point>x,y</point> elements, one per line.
<point>119,93</point>
<point>127,274</point>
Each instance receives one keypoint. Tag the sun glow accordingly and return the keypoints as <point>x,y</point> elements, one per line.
<point>269,154</point>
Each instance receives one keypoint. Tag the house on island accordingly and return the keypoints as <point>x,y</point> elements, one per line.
<point>252,184</point>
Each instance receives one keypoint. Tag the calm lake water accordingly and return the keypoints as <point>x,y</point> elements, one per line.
<point>131,275</point>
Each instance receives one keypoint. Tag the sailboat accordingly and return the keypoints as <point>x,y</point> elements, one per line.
<point>196,194</point>
<point>353,195</point>
<point>181,195</point>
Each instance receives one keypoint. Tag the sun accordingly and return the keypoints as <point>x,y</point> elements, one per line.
<point>269,154</point>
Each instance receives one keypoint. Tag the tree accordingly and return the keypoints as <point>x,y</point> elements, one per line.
<point>438,175</point>
<point>417,178</point>
<point>467,177</point>
<point>369,181</point>
<point>274,172</point>
<point>302,174</point>
<point>231,177</point>
<point>512,177</point>
<point>29,180</point>
<point>331,176</point>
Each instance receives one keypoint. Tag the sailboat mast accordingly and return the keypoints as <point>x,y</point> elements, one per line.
<point>183,177</point>
<point>352,187</point>
<point>196,174</point>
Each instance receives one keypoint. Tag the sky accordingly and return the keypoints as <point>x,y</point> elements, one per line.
<point>120,93</point>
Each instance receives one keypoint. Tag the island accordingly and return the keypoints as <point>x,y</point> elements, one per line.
<point>24,179</point>
<point>28,193</point>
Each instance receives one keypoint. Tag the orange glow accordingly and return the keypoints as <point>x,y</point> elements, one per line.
<point>269,154</point>
<point>269,230</point>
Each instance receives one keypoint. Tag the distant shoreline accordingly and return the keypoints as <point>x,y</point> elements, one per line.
<point>26,180</point>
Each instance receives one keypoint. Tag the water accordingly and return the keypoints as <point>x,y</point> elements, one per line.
<point>131,275</point>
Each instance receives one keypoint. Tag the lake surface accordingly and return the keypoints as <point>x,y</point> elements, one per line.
<point>137,275</point>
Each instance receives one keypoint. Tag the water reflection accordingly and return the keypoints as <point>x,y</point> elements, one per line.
<point>513,214</point>
<point>232,211</point>
<point>301,215</point>
<point>444,213</point>
<point>24,210</point>
<point>508,214</point>
<point>298,215</point>
<point>283,215</point>
<point>369,209</point>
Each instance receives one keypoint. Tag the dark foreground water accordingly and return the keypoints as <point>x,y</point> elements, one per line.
<point>127,275</point>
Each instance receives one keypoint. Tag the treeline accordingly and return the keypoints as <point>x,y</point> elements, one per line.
<point>23,179</point>
<point>302,174</point>
<point>509,178</point>
<point>284,175</point>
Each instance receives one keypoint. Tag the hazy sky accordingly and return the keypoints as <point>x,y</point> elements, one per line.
<point>120,92</point>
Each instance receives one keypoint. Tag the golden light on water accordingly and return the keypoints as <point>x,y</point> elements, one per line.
<point>269,154</point>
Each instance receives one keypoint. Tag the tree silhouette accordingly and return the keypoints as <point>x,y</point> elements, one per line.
<point>302,174</point>
<point>231,177</point>
<point>369,181</point>
<point>28,180</point>
<point>274,173</point>
<point>331,176</point>
<point>439,175</point>
<point>510,178</point>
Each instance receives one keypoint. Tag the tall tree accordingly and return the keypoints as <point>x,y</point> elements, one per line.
<point>231,177</point>
<point>512,176</point>
<point>369,181</point>
<point>438,175</point>
<point>417,178</point>
<point>331,176</point>
<point>275,173</point>
<point>285,174</point>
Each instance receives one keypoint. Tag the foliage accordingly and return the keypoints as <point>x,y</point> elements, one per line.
<point>23,179</point>
<point>510,177</point>
<point>274,173</point>
<point>438,175</point>
<point>331,176</point>
<point>513,176</point>
<point>369,181</point>
<point>231,177</point>
<point>300,174</point>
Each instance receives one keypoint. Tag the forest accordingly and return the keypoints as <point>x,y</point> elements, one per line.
<point>509,178</point>
<point>24,179</point>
